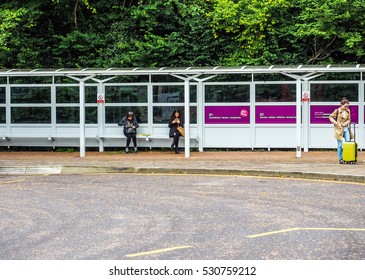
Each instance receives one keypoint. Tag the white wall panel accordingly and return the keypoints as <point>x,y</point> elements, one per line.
<point>322,137</point>
<point>31,129</point>
<point>227,137</point>
<point>275,137</point>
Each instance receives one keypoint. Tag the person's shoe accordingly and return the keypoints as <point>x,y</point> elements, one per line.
<point>341,161</point>
<point>177,151</point>
<point>126,151</point>
<point>135,150</point>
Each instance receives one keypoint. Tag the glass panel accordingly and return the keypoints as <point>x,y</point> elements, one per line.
<point>2,114</point>
<point>91,94</point>
<point>275,93</point>
<point>126,94</point>
<point>128,79</point>
<point>338,76</point>
<point>30,80</point>
<point>91,115</point>
<point>161,114</point>
<point>165,79</point>
<point>271,77</point>
<point>227,93</point>
<point>168,94</point>
<point>2,94</point>
<point>68,94</point>
<point>229,78</point>
<point>30,95</point>
<point>114,114</point>
<point>65,80</point>
<point>31,115</point>
<point>68,115</point>
<point>193,93</point>
<point>72,115</point>
<point>334,92</point>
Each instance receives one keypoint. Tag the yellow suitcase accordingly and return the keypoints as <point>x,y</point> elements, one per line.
<point>349,150</point>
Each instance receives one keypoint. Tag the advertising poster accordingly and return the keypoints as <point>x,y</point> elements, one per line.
<point>280,114</point>
<point>319,113</point>
<point>227,114</point>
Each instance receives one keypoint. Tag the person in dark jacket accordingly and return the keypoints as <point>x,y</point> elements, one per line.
<point>174,122</point>
<point>130,125</point>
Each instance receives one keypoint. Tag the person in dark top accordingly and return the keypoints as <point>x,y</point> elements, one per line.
<point>174,122</point>
<point>130,125</point>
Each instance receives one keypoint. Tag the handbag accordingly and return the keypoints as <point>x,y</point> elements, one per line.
<point>181,130</point>
<point>131,130</point>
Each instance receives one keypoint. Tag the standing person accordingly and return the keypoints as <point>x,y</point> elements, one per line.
<point>130,125</point>
<point>174,122</point>
<point>341,118</point>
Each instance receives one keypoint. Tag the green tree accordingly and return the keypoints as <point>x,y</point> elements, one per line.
<point>16,23</point>
<point>137,33</point>
<point>164,33</point>
<point>55,34</point>
<point>333,30</point>
<point>286,32</point>
<point>246,26</point>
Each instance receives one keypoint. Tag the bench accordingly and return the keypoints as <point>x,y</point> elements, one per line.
<point>5,139</point>
<point>147,137</point>
<point>51,137</point>
<point>27,136</point>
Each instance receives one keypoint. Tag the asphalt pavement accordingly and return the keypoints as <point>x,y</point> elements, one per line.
<point>196,217</point>
<point>311,165</point>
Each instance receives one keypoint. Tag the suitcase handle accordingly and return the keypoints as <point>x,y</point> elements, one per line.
<point>352,123</point>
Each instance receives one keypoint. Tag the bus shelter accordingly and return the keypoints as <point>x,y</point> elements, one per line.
<point>223,107</point>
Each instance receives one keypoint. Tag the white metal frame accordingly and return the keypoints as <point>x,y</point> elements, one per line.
<point>301,75</point>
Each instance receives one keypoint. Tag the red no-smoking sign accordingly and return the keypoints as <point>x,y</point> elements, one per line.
<point>305,96</point>
<point>100,98</point>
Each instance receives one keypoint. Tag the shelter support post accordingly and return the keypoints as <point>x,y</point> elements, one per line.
<point>100,96</point>
<point>82,118</point>
<point>361,131</point>
<point>101,120</point>
<point>200,112</point>
<point>187,109</point>
<point>299,119</point>
<point>305,116</point>
<point>187,117</point>
<point>82,111</point>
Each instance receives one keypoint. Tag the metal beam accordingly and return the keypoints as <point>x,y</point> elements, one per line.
<point>184,71</point>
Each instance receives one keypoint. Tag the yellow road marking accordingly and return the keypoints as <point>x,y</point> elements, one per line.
<point>157,251</point>
<point>21,180</point>
<point>14,181</point>
<point>296,229</point>
<point>271,232</point>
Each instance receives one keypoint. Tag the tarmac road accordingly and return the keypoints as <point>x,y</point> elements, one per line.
<point>184,217</point>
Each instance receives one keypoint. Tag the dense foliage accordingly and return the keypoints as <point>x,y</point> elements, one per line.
<point>151,33</point>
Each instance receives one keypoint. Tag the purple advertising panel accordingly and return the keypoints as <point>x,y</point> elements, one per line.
<point>319,113</point>
<point>227,114</point>
<point>280,114</point>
